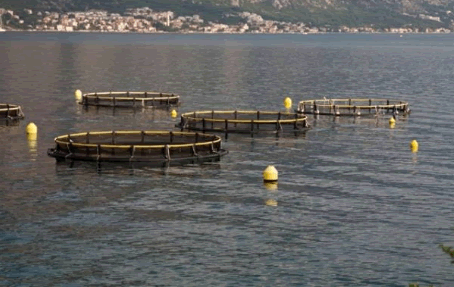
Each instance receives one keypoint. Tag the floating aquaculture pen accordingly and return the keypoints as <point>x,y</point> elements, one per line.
<point>11,112</point>
<point>137,146</point>
<point>352,107</point>
<point>242,121</point>
<point>130,99</point>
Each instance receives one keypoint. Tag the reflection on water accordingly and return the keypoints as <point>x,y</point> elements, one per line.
<point>369,121</point>
<point>353,207</point>
<point>271,186</point>
<point>130,168</point>
<point>32,145</point>
<point>8,122</point>
<point>138,114</point>
<point>270,202</point>
<point>158,113</point>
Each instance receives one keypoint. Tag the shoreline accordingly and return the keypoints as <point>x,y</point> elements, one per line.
<point>225,33</point>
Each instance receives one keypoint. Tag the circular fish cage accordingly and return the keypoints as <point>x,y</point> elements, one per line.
<point>353,107</point>
<point>130,99</point>
<point>137,146</point>
<point>242,121</point>
<point>11,112</point>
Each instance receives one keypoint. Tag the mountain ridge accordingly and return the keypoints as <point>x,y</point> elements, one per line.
<point>351,13</point>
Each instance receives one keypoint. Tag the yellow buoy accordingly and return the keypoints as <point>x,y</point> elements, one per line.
<point>287,103</point>
<point>173,114</point>
<point>271,202</point>
<point>392,120</point>
<point>31,128</point>
<point>78,95</point>
<point>414,146</point>
<point>270,174</point>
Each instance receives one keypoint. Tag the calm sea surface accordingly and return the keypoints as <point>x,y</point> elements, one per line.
<point>354,206</point>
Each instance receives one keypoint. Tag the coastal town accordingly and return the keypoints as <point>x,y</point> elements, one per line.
<point>146,20</point>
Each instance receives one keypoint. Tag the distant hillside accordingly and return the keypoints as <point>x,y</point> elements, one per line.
<point>376,13</point>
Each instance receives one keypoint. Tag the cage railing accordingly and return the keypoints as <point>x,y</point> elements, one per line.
<point>130,99</point>
<point>355,107</point>
<point>136,146</point>
<point>11,112</point>
<point>241,121</point>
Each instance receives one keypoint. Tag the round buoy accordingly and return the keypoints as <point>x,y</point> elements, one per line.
<point>270,174</point>
<point>31,128</point>
<point>271,202</point>
<point>78,95</point>
<point>173,114</point>
<point>392,122</point>
<point>414,146</point>
<point>287,103</point>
